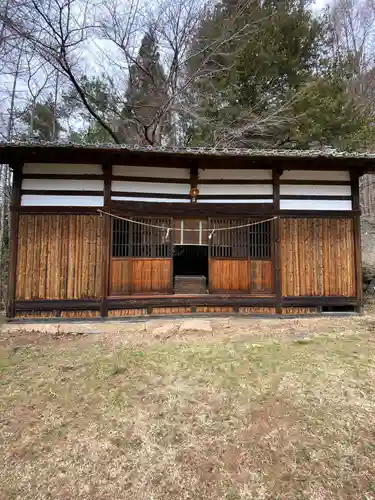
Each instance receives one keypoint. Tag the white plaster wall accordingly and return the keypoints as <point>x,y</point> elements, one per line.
<point>61,168</point>
<point>315,175</point>
<point>152,172</point>
<point>151,187</point>
<point>249,200</point>
<point>151,200</point>
<point>309,190</point>
<point>34,200</point>
<point>315,205</point>
<point>245,189</point>
<point>63,184</point>
<point>226,174</point>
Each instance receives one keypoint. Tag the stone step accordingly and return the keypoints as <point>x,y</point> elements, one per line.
<point>190,285</point>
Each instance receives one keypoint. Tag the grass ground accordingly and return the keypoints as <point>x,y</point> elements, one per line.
<point>245,414</point>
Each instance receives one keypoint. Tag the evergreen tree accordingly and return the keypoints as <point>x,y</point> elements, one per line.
<point>145,96</point>
<point>42,120</point>
<point>280,87</point>
<point>99,94</point>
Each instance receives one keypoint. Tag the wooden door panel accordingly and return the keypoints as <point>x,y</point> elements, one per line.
<point>241,276</point>
<point>151,275</point>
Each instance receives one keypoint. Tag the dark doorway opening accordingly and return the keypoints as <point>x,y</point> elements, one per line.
<point>190,260</point>
<point>190,268</point>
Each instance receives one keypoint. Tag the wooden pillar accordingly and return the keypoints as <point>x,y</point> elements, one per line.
<point>107,240</point>
<point>14,224</point>
<point>276,174</point>
<point>357,239</point>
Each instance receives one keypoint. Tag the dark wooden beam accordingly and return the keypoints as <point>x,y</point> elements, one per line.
<point>192,210</point>
<point>65,192</point>
<point>276,226</point>
<point>137,302</point>
<point>296,182</point>
<point>130,194</point>
<point>194,177</point>
<point>58,305</point>
<point>161,180</point>
<point>317,214</point>
<point>313,197</point>
<point>85,177</point>
<point>354,182</point>
<point>57,210</point>
<point>357,241</point>
<point>307,301</point>
<point>107,239</point>
<point>139,208</point>
<point>14,225</point>
<point>172,180</point>
<point>201,209</point>
<point>186,301</point>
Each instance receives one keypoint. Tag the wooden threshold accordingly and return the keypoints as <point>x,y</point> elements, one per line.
<point>149,302</point>
<point>190,296</point>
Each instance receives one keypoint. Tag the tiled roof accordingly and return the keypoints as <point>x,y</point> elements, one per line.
<point>201,151</point>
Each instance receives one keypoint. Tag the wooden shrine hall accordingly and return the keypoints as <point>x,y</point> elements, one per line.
<point>112,231</point>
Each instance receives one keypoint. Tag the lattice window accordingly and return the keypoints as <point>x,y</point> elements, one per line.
<point>243,242</point>
<point>135,240</point>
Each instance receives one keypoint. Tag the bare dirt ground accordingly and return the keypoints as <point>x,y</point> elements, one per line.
<point>255,409</point>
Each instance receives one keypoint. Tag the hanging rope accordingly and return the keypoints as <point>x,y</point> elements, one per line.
<point>169,229</point>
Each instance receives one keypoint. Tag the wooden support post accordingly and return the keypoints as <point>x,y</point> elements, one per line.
<point>276,174</point>
<point>107,240</point>
<point>14,224</point>
<point>357,240</point>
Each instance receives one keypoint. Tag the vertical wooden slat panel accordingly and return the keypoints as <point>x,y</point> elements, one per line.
<point>120,276</point>
<point>283,257</point>
<point>71,254</point>
<point>77,259</point>
<point>58,257</point>
<point>65,258</point>
<point>43,259</point>
<point>350,238</point>
<point>238,275</point>
<point>29,221</point>
<point>320,253</point>
<point>291,271</point>
<point>36,258</point>
<point>84,257</point>
<point>100,246</point>
<point>22,257</point>
<point>151,275</point>
<point>333,263</point>
<point>321,259</point>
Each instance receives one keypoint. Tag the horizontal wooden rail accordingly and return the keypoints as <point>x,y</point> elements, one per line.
<point>173,301</point>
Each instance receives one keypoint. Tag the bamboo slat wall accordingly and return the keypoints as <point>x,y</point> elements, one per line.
<point>59,257</point>
<point>317,257</point>
<point>241,275</point>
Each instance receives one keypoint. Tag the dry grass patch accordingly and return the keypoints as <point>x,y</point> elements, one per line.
<point>103,417</point>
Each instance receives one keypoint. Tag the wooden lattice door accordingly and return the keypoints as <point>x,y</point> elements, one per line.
<point>141,256</point>
<point>240,259</point>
